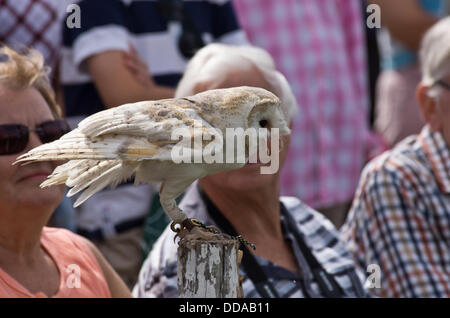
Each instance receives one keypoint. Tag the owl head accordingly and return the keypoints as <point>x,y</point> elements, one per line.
<point>266,112</point>
<point>242,107</point>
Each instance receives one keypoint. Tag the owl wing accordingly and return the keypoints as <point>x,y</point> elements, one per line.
<point>130,132</point>
<point>108,147</point>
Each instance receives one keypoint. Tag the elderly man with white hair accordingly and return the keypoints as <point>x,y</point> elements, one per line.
<point>400,218</point>
<point>298,251</point>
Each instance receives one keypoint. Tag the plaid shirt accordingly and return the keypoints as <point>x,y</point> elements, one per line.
<point>400,218</point>
<point>320,47</point>
<point>158,276</point>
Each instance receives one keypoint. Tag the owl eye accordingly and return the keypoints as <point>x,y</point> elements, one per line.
<point>263,123</point>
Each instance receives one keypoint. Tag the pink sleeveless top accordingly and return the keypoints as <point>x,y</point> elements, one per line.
<point>80,274</point>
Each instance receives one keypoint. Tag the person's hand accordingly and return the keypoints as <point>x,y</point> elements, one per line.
<point>137,67</point>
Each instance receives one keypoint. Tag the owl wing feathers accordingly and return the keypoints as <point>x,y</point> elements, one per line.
<point>148,119</point>
<point>110,174</point>
<point>107,147</point>
<point>68,172</point>
<point>90,175</point>
<point>128,132</point>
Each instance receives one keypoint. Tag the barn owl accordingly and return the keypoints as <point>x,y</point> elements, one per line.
<point>116,144</point>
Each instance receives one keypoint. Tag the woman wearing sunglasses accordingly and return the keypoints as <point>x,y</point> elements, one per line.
<point>35,260</point>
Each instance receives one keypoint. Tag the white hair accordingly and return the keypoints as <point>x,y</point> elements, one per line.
<point>215,62</point>
<point>435,53</point>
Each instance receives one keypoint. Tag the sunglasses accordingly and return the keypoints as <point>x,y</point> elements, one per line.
<point>443,84</point>
<point>14,137</point>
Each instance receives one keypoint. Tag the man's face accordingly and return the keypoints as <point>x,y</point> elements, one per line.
<point>248,177</point>
<point>442,109</point>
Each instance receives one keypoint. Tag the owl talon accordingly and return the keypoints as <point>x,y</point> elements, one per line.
<point>173,227</point>
<point>188,224</point>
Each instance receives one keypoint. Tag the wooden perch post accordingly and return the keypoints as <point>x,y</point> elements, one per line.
<point>209,269</point>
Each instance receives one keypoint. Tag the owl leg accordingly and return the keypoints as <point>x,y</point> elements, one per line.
<point>168,192</point>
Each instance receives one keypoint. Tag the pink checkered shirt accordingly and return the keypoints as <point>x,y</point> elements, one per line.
<point>33,23</point>
<point>320,47</point>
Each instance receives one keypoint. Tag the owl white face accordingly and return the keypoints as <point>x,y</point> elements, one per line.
<point>259,143</point>
<point>268,115</point>
<point>268,120</point>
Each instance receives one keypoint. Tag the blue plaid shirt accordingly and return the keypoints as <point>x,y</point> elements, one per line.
<point>158,276</point>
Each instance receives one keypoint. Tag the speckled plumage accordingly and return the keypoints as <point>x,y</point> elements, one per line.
<point>135,140</point>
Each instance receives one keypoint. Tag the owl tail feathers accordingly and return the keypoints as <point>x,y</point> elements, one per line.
<point>66,171</point>
<point>112,175</point>
<point>91,176</point>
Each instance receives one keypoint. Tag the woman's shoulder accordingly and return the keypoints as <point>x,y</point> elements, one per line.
<point>68,244</point>
<point>63,236</point>
<point>72,252</point>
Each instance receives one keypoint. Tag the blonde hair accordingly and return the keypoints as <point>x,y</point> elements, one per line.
<point>215,62</point>
<point>22,71</point>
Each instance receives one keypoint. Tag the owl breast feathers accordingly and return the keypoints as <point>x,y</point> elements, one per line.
<point>135,140</point>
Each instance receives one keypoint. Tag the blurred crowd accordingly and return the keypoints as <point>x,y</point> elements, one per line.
<point>365,174</point>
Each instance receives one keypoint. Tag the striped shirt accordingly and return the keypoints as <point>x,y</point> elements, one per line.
<point>115,24</point>
<point>158,276</point>
<point>400,219</point>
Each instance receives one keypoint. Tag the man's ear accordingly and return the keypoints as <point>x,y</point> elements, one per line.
<point>428,107</point>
